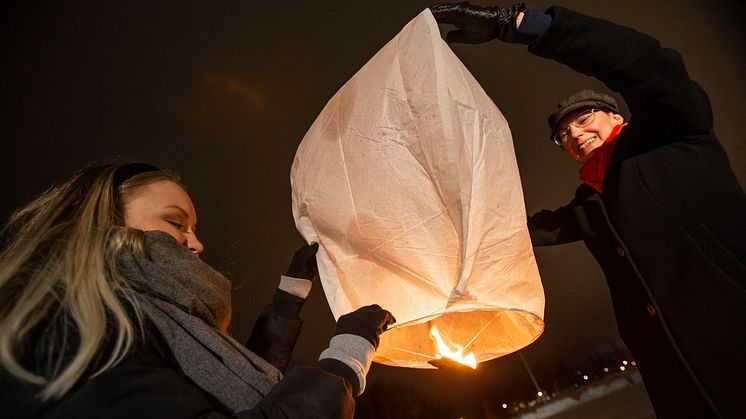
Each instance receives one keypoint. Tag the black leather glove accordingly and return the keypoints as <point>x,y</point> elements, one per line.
<point>368,322</point>
<point>478,24</point>
<point>303,264</point>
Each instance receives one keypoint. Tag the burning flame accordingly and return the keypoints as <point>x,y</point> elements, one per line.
<point>456,355</point>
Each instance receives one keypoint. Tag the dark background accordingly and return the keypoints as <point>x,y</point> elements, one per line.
<point>223,92</point>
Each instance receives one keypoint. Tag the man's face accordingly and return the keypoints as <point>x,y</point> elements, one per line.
<point>585,130</point>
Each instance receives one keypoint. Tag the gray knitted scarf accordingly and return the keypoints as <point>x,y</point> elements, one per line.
<point>190,305</point>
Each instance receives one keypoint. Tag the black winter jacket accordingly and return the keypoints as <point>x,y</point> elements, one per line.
<point>669,229</point>
<point>148,383</point>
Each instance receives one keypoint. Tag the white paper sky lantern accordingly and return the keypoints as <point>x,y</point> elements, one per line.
<point>408,181</point>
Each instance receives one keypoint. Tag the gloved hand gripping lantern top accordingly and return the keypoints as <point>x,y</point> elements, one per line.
<point>478,24</point>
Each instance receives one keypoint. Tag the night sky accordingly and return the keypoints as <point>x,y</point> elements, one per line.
<point>222,92</point>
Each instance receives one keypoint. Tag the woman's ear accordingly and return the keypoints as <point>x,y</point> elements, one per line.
<point>619,119</point>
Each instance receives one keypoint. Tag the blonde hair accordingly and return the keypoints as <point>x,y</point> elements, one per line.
<point>58,283</point>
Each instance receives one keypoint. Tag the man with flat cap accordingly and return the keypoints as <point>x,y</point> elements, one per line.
<point>659,206</point>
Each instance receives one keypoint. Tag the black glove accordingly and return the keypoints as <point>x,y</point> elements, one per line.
<point>368,322</point>
<point>303,264</point>
<point>478,24</point>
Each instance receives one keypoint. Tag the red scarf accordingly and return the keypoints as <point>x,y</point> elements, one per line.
<point>593,171</point>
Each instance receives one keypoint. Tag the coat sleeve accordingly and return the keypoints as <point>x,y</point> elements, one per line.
<point>276,331</point>
<point>306,392</point>
<point>548,228</point>
<point>652,80</point>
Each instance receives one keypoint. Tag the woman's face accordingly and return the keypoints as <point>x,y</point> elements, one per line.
<point>164,206</point>
<point>582,142</point>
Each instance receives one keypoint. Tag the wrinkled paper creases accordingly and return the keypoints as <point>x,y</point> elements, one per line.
<point>408,181</point>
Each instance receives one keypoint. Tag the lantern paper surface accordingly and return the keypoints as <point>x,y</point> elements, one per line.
<point>408,181</point>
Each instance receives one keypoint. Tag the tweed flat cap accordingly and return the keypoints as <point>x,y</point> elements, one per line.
<point>586,98</point>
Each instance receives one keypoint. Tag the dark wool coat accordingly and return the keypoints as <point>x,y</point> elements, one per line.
<point>669,229</point>
<point>149,383</point>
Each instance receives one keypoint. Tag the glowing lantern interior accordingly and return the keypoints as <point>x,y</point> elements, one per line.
<point>452,351</point>
<point>408,181</point>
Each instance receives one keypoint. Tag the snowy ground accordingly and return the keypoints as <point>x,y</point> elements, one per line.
<point>620,397</point>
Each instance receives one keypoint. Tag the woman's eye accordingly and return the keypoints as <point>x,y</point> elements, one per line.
<point>583,119</point>
<point>177,225</point>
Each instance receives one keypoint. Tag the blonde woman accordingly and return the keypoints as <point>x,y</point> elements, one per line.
<point>106,310</point>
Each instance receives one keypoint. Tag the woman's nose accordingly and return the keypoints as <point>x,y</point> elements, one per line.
<point>574,131</point>
<point>194,245</point>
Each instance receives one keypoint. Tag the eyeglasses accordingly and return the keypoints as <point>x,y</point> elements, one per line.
<point>580,121</point>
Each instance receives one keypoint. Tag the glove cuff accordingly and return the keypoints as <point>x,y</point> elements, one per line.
<point>299,287</point>
<point>355,352</point>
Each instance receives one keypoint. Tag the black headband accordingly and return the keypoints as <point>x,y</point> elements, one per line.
<point>129,170</point>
